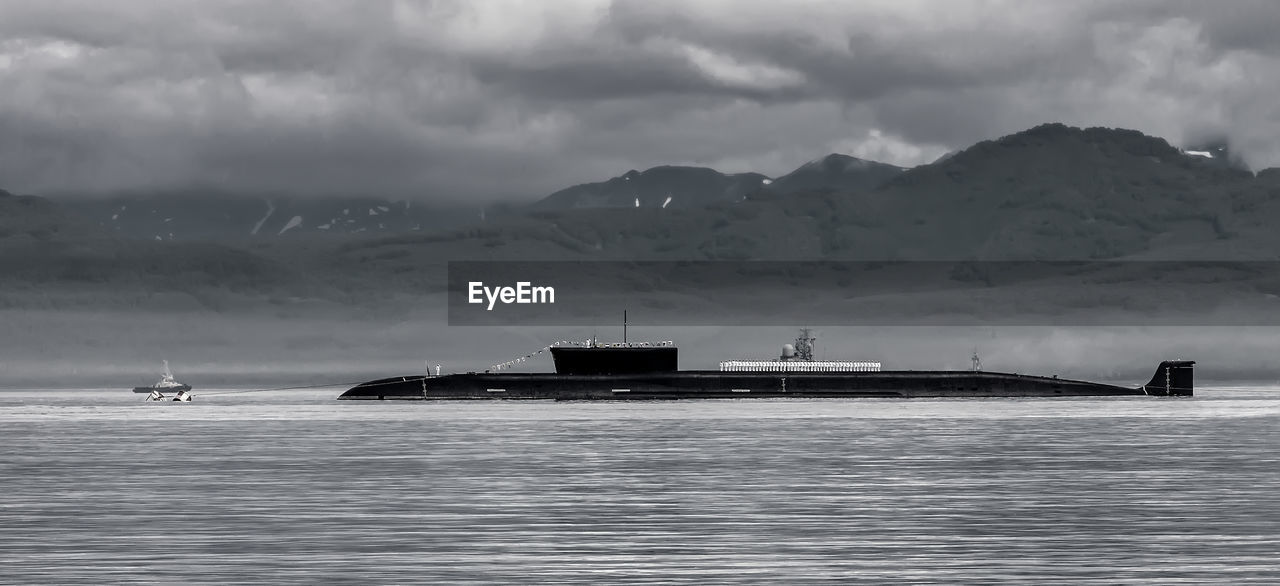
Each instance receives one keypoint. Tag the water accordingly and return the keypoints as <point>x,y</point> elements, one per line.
<point>99,487</point>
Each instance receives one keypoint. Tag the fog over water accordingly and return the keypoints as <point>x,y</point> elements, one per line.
<point>124,349</point>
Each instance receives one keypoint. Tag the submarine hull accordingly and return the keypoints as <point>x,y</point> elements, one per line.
<point>1173,380</point>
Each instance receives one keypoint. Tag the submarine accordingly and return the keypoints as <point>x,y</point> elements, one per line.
<point>592,371</point>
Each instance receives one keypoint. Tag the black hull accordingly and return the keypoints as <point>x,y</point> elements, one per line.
<point>756,385</point>
<point>167,390</point>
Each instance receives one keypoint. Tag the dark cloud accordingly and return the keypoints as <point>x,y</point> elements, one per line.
<point>497,99</point>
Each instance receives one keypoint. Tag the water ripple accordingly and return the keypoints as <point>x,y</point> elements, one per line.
<point>99,488</point>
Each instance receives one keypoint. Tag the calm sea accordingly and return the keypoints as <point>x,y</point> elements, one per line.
<point>295,487</point>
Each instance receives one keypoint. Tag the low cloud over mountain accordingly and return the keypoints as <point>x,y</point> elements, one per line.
<point>483,101</point>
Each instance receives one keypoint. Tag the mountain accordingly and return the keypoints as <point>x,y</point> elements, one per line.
<point>220,216</point>
<point>689,187</point>
<point>659,187</point>
<point>226,217</point>
<point>1050,192</point>
<point>36,218</point>
<point>52,257</point>
<point>836,172</point>
<point>1053,192</point>
<point>945,156</point>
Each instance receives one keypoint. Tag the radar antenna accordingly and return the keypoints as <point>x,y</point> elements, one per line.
<point>804,345</point>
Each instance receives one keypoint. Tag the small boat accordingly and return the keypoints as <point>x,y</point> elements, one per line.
<point>166,385</point>
<point>182,396</point>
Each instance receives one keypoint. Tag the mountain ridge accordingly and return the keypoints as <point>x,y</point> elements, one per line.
<point>1051,192</point>
<point>661,187</point>
<point>836,172</point>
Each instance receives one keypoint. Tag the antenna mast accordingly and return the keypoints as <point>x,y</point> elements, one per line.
<point>624,327</point>
<point>804,345</point>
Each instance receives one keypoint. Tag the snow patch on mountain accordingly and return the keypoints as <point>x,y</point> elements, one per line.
<point>294,222</point>
<point>271,209</point>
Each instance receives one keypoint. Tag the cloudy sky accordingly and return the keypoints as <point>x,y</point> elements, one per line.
<point>489,99</point>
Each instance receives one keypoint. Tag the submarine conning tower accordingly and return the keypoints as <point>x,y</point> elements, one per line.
<point>610,359</point>
<point>1174,378</point>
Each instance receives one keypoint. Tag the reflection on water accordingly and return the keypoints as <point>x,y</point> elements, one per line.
<point>298,488</point>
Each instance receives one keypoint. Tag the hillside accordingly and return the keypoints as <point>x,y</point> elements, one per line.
<point>659,187</point>
<point>836,172</point>
<point>26,217</point>
<point>1051,192</point>
<point>692,187</point>
<point>55,259</point>
<point>1055,192</point>
<point>196,216</point>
